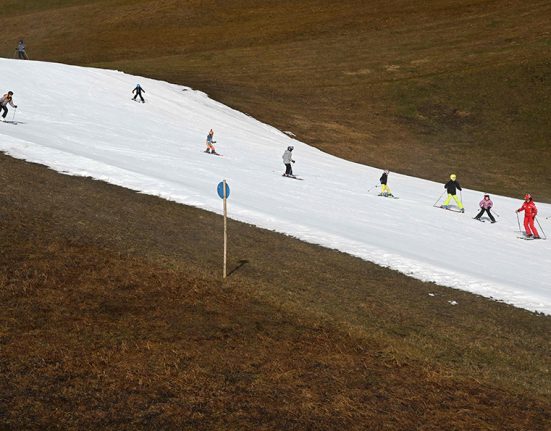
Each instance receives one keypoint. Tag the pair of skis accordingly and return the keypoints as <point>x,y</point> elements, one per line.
<point>382,195</point>
<point>294,177</point>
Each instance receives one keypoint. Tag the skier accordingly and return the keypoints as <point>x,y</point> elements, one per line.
<point>287,160</point>
<point>530,213</point>
<point>485,206</point>
<point>385,189</point>
<point>21,50</point>
<point>452,186</point>
<point>210,141</point>
<point>138,90</point>
<point>6,98</point>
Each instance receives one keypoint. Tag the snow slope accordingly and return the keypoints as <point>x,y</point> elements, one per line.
<point>81,121</point>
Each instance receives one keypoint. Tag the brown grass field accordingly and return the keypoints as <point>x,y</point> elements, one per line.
<point>112,319</point>
<point>113,315</point>
<point>423,88</point>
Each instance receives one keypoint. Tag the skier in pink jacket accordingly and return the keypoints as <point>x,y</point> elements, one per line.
<point>485,205</point>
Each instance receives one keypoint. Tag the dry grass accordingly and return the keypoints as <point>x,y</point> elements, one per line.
<point>424,89</point>
<point>113,317</point>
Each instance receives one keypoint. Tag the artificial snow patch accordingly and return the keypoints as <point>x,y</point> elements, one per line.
<point>452,302</point>
<point>157,148</point>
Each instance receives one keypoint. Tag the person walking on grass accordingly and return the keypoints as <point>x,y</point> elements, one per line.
<point>4,101</point>
<point>287,160</point>
<point>21,53</point>
<point>138,90</point>
<point>210,143</point>
<point>530,213</point>
<point>452,186</point>
<point>385,189</point>
<point>485,205</point>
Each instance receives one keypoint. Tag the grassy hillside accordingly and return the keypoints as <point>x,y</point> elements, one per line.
<point>113,316</point>
<point>422,88</point>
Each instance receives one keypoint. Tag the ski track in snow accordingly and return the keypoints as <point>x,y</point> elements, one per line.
<point>82,121</point>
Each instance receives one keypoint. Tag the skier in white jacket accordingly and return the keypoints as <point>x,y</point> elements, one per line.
<point>287,160</point>
<point>4,101</point>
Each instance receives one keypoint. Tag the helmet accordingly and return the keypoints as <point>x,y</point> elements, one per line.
<point>387,171</point>
<point>10,93</point>
<point>527,197</point>
<point>290,148</point>
<point>486,195</point>
<point>453,177</point>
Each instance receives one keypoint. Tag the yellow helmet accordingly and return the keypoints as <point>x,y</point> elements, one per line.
<point>453,177</point>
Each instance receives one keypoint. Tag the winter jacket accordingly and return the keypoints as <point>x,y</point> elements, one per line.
<point>287,157</point>
<point>486,204</point>
<point>384,178</point>
<point>452,187</point>
<point>21,47</point>
<point>7,99</point>
<point>138,90</point>
<point>529,209</point>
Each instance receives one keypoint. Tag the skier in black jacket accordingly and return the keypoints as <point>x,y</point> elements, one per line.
<point>138,90</point>
<point>385,189</point>
<point>452,186</point>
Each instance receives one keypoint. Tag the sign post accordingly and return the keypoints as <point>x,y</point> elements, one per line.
<point>224,193</point>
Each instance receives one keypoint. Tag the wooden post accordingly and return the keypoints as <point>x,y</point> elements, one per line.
<point>225,230</point>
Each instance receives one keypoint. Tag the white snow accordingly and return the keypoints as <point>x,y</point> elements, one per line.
<point>81,121</point>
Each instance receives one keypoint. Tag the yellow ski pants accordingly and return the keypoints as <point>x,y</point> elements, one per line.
<point>455,198</point>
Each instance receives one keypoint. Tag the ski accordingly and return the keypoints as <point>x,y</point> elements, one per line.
<point>451,209</point>
<point>484,221</point>
<point>294,177</point>
<point>388,197</point>
<point>214,154</point>
<point>10,122</point>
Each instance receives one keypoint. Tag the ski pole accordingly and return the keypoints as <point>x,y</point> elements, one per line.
<point>13,116</point>
<point>375,186</point>
<point>542,231</point>
<point>496,214</point>
<point>439,198</point>
<point>518,221</point>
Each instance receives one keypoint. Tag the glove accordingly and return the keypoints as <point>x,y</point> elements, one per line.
<point>15,106</point>
<point>293,161</point>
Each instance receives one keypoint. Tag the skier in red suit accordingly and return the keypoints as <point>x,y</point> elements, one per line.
<point>530,213</point>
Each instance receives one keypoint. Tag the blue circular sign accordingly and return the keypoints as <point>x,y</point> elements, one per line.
<point>220,190</point>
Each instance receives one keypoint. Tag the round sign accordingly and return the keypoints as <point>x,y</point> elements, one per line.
<point>220,190</point>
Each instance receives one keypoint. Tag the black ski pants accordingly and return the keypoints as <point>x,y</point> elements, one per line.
<point>288,169</point>
<point>139,94</point>
<point>5,109</point>
<point>482,210</point>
